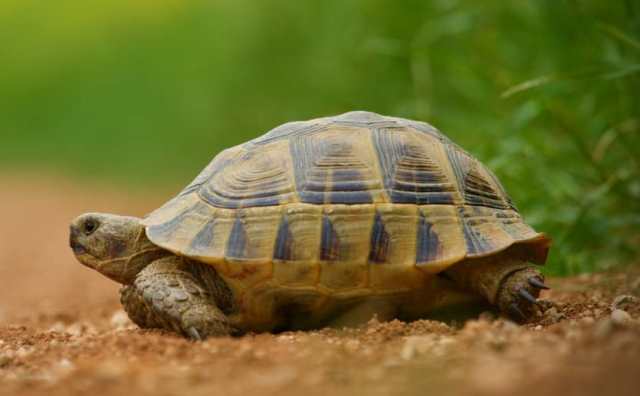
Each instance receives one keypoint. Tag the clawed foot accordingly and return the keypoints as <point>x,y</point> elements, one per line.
<point>518,296</point>
<point>165,295</point>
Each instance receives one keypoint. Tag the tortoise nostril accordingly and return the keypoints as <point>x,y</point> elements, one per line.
<point>73,233</point>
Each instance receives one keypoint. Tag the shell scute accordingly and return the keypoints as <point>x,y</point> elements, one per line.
<point>335,166</point>
<point>299,235</point>
<point>411,168</point>
<point>344,246</point>
<point>256,178</point>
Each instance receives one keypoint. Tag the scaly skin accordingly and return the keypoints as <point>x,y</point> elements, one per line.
<point>167,295</point>
<point>505,280</point>
<point>510,299</point>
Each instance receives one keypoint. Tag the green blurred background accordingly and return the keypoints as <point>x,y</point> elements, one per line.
<point>145,92</point>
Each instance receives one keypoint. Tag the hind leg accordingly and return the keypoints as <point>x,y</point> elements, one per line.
<point>167,295</point>
<point>512,285</point>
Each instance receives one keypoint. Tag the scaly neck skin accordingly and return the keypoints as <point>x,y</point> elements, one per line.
<point>116,246</point>
<point>124,269</point>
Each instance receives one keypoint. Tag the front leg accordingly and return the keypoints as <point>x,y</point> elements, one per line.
<point>167,295</point>
<point>511,284</point>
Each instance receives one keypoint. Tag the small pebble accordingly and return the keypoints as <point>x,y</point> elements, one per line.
<point>621,318</point>
<point>509,326</point>
<point>352,345</point>
<point>587,313</point>
<point>76,329</point>
<point>120,319</point>
<point>554,314</point>
<point>24,351</point>
<point>603,328</point>
<point>415,345</point>
<point>588,320</point>
<point>57,327</point>
<point>624,301</point>
<point>65,364</point>
<point>285,338</point>
<point>4,359</point>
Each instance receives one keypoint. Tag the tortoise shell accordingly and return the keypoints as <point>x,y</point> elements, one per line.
<point>357,201</point>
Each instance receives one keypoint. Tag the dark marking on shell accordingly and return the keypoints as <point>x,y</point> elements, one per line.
<point>202,241</point>
<point>424,199</point>
<point>283,244</point>
<point>237,243</point>
<point>476,242</point>
<point>355,197</point>
<point>427,242</point>
<point>166,229</point>
<point>347,180</point>
<point>330,243</point>
<point>380,241</point>
<point>312,197</point>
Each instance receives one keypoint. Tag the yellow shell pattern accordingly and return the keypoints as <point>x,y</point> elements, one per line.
<point>357,204</point>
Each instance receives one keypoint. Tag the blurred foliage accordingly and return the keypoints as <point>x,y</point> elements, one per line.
<point>545,92</point>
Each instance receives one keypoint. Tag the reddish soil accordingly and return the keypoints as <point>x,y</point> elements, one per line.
<point>62,331</point>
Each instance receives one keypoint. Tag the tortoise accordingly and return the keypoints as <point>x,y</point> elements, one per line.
<point>313,220</point>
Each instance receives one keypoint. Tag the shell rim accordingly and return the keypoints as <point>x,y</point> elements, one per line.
<point>540,238</point>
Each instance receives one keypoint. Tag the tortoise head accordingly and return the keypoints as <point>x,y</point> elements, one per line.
<point>116,246</point>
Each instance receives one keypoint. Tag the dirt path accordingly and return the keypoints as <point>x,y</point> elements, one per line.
<point>62,331</point>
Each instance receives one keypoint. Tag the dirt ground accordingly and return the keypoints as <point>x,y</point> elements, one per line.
<point>62,331</point>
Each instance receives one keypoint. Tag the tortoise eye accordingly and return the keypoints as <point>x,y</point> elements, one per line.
<point>89,226</point>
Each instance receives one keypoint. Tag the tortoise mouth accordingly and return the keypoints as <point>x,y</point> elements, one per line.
<point>84,257</point>
<point>77,248</point>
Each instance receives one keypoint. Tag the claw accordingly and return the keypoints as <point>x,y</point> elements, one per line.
<point>537,283</point>
<point>525,294</point>
<point>193,334</point>
<point>514,309</point>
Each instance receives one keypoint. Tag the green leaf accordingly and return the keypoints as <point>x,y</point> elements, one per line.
<point>619,35</point>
